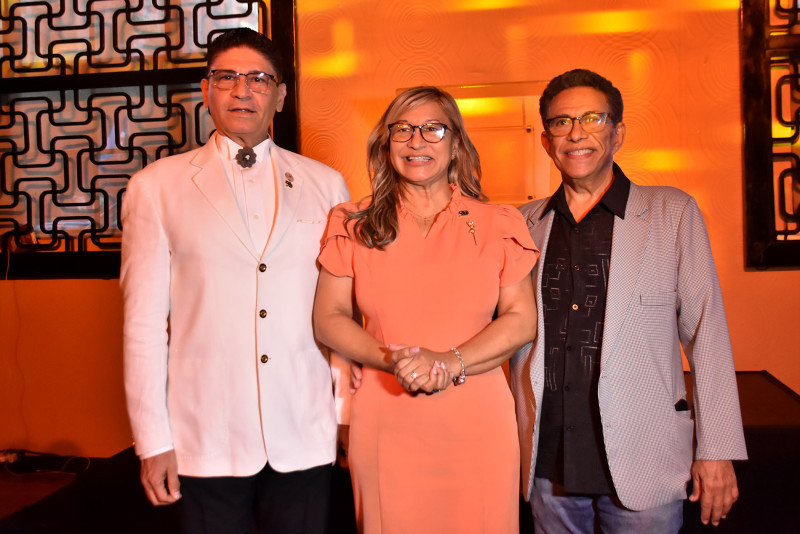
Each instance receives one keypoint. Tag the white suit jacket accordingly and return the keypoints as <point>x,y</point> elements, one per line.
<point>663,293</point>
<point>220,358</point>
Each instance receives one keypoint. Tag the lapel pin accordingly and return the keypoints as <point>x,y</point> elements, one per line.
<point>289,180</point>
<point>463,212</point>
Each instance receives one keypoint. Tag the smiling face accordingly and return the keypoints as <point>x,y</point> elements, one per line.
<point>420,163</point>
<point>240,114</point>
<point>585,158</point>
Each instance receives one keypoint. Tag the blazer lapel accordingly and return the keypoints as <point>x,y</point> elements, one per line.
<point>627,250</point>
<point>540,230</point>
<point>210,180</point>
<point>288,192</point>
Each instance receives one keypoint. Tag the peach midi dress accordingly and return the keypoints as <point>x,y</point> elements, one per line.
<point>446,462</point>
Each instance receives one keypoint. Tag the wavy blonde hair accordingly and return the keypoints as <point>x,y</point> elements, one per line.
<point>376,225</point>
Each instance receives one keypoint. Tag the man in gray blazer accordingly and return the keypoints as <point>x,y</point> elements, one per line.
<point>229,395</point>
<point>626,278</point>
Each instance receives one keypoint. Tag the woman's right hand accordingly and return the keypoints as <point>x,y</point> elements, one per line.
<point>438,379</point>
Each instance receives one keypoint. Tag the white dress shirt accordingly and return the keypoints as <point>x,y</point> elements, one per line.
<point>253,187</point>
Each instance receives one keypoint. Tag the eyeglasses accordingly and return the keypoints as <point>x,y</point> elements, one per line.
<point>432,132</point>
<point>590,122</point>
<point>258,82</point>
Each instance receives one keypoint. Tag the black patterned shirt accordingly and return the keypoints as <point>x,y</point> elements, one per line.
<point>574,284</point>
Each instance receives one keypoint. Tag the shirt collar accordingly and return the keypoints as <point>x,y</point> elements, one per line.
<point>615,199</point>
<point>228,148</point>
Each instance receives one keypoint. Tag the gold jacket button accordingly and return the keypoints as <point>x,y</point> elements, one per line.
<point>262,267</point>
<point>264,358</point>
<point>262,313</point>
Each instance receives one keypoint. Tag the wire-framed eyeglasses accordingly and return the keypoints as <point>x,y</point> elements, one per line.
<point>225,80</point>
<point>591,122</point>
<point>432,132</point>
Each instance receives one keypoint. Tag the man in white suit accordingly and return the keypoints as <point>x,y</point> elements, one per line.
<point>626,278</point>
<point>229,395</point>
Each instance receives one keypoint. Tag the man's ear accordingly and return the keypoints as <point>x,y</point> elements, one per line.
<point>619,137</point>
<point>546,142</point>
<point>281,97</point>
<point>204,89</point>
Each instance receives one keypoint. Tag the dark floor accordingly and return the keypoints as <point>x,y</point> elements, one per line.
<point>101,497</point>
<point>105,497</point>
<point>20,490</point>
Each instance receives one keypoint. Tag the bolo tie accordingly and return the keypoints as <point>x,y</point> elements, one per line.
<point>246,157</point>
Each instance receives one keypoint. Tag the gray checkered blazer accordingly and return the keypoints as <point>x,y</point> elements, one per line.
<point>663,294</point>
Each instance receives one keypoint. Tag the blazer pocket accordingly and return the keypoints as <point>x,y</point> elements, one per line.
<point>659,299</point>
<point>308,231</point>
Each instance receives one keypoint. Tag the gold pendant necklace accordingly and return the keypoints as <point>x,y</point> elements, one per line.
<point>423,217</point>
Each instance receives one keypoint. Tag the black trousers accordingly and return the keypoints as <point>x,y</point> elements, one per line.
<point>268,502</point>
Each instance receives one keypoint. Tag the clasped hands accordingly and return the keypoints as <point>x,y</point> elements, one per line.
<point>420,370</point>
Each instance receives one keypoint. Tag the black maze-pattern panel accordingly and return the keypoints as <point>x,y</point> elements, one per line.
<point>770,45</point>
<point>91,91</point>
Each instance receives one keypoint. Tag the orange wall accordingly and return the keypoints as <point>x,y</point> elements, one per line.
<point>61,371</point>
<point>676,63</point>
<point>677,66</point>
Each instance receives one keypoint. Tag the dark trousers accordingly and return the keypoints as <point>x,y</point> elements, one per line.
<point>268,502</point>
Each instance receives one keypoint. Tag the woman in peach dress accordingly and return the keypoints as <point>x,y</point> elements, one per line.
<point>433,436</point>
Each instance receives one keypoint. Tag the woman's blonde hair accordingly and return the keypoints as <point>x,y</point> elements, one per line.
<point>376,225</point>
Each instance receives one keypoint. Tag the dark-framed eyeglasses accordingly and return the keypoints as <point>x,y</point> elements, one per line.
<point>432,132</point>
<point>225,80</point>
<point>590,122</point>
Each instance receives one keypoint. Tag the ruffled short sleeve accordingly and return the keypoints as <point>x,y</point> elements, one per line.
<point>338,246</point>
<point>519,251</point>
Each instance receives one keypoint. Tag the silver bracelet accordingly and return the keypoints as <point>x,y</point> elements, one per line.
<point>460,379</point>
